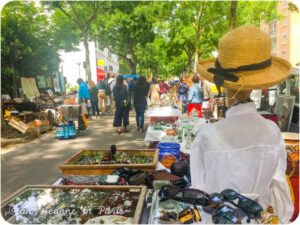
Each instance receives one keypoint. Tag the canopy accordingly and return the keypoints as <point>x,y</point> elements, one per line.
<point>131,76</point>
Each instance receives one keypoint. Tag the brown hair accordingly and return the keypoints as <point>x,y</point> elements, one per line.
<point>195,79</point>
<point>92,84</point>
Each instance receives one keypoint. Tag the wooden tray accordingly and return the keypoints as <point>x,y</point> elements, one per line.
<point>137,213</point>
<point>107,169</point>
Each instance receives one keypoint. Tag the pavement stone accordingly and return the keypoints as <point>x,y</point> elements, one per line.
<point>37,162</point>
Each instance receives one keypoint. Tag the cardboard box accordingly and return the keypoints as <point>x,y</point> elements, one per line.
<point>40,126</point>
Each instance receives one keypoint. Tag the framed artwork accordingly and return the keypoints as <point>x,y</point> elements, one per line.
<point>41,80</point>
<point>284,110</point>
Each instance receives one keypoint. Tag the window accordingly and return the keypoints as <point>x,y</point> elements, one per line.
<point>285,4</point>
<point>273,46</point>
<point>110,68</point>
<point>284,22</point>
<point>109,54</point>
<point>284,55</point>
<point>284,38</point>
<point>273,29</point>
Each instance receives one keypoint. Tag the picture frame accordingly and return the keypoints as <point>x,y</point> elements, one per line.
<point>284,111</point>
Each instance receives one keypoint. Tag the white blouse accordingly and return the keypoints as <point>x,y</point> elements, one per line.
<point>244,152</point>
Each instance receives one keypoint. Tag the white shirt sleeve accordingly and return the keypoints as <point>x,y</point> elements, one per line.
<point>279,195</point>
<point>197,164</point>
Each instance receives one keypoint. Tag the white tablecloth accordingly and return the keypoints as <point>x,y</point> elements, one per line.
<point>162,111</point>
<point>154,135</point>
<point>196,124</point>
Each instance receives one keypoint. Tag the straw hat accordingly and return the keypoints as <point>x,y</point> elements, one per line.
<point>238,51</point>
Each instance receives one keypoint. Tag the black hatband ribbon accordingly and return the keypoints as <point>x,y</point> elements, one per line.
<point>221,74</point>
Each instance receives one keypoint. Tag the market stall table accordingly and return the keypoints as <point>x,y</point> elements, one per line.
<point>166,114</point>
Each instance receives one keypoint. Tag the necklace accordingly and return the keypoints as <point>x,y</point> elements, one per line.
<point>243,102</point>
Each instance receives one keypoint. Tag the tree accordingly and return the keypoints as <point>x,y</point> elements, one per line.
<point>202,16</point>
<point>25,47</point>
<point>82,14</point>
<point>126,28</point>
<point>252,13</point>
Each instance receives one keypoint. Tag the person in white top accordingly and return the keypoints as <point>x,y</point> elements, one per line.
<point>243,152</point>
<point>112,83</point>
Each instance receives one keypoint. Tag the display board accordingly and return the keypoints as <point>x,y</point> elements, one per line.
<point>41,80</point>
<point>29,87</point>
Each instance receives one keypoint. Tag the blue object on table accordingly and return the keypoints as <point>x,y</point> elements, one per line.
<point>60,131</point>
<point>71,130</point>
<point>66,131</point>
<point>169,148</point>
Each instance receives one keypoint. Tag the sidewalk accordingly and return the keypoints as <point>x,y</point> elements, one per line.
<point>38,162</point>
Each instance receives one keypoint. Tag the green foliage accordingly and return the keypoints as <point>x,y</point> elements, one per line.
<point>252,12</point>
<point>25,44</point>
<point>6,81</point>
<point>126,29</point>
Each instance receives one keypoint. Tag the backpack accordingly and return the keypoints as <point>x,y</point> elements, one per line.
<point>107,89</point>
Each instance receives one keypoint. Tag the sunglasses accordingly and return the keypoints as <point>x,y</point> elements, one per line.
<point>224,214</point>
<point>251,208</point>
<point>191,196</point>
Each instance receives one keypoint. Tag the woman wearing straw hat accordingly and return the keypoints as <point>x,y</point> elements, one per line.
<point>244,152</point>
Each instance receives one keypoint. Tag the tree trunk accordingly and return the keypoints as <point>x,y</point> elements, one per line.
<point>12,60</point>
<point>188,67</point>
<point>232,15</point>
<point>87,56</point>
<point>133,67</point>
<point>196,53</point>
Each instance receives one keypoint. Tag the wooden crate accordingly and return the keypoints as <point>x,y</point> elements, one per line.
<point>107,169</point>
<point>137,213</point>
<point>19,125</point>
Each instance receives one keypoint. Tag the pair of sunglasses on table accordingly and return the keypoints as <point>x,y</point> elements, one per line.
<point>214,203</point>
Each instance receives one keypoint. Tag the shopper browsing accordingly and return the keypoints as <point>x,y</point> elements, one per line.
<point>243,152</point>
<point>83,96</point>
<point>121,97</point>
<point>140,93</point>
<point>195,96</point>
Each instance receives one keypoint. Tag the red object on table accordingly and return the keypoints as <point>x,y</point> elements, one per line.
<point>295,185</point>
<point>197,107</point>
<point>272,117</point>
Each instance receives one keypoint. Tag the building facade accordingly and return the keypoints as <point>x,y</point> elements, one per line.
<point>101,62</point>
<point>285,34</point>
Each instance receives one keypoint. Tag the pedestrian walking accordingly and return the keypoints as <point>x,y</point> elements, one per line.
<point>108,91</point>
<point>102,96</point>
<point>94,98</point>
<point>121,97</point>
<point>141,90</point>
<point>195,96</point>
<point>154,92</point>
<point>83,96</point>
<point>206,85</point>
<point>163,87</point>
<point>183,95</point>
<point>131,90</point>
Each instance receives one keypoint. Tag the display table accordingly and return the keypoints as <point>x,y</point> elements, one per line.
<point>164,111</point>
<point>190,122</point>
<point>153,135</point>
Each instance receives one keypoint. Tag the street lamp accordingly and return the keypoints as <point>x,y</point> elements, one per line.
<point>78,63</point>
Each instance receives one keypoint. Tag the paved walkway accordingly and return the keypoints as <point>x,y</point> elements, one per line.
<point>38,162</point>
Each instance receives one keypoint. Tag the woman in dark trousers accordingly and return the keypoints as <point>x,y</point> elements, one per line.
<point>121,96</point>
<point>94,98</point>
<point>141,90</point>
